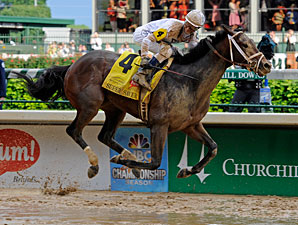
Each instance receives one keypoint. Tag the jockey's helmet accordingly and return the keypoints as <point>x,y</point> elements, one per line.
<point>196,18</point>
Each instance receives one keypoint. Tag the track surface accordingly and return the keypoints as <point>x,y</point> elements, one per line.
<point>32,206</point>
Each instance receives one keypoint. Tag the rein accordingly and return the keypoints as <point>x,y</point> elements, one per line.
<point>251,65</point>
<point>170,71</point>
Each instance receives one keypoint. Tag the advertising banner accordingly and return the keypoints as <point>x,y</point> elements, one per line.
<point>240,74</point>
<point>44,156</point>
<point>249,161</point>
<point>137,140</point>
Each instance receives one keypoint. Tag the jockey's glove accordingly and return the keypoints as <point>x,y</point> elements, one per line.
<point>145,62</point>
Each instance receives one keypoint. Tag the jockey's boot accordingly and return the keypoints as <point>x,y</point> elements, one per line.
<point>140,76</point>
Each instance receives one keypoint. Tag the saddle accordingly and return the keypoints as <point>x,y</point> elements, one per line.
<point>119,81</point>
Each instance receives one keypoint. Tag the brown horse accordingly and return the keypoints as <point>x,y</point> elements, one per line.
<point>177,104</point>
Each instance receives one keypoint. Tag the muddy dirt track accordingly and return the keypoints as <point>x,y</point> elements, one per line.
<point>32,206</point>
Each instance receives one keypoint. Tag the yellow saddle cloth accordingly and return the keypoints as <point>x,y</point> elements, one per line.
<point>119,80</point>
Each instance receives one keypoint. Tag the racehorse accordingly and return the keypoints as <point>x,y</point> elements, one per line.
<point>177,103</point>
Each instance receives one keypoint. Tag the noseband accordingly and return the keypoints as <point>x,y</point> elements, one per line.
<point>250,65</point>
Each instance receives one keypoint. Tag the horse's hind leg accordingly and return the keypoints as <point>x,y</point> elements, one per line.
<point>199,133</point>
<point>114,117</point>
<point>75,131</point>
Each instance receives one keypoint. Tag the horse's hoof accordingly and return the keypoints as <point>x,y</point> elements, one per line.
<point>92,171</point>
<point>136,172</point>
<point>115,159</point>
<point>183,173</point>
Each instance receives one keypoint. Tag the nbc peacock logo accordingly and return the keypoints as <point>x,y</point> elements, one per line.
<point>138,141</point>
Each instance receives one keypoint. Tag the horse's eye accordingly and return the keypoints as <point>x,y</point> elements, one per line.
<point>245,45</point>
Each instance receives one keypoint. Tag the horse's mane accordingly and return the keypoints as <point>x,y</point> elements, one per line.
<point>201,49</point>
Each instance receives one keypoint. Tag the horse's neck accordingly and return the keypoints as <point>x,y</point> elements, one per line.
<point>213,66</point>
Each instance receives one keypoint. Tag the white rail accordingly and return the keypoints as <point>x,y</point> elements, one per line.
<point>214,118</point>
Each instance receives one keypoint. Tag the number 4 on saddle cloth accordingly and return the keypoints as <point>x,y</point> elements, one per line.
<point>119,80</point>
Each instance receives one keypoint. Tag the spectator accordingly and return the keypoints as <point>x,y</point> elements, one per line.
<point>125,47</point>
<point>112,15</point>
<point>164,5</point>
<point>95,41</point>
<point>72,48</point>
<point>173,10</point>
<point>264,5</point>
<point>274,37</point>
<point>278,18</point>
<point>121,8</point>
<point>291,18</point>
<point>128,48</point>
<point>290,39</point>
<point>182,10</point>
<point>12,43</point>
<point>83,49</point>
<point>52,50</point>
<point>155,7</point>
<point>234,18</point>
<point>216,17</point>
<point>63,50</point>
<point>109,47</point>
<point>266,45</point>
<point>186,2</point>
<point>2,82</point>
<point>244,19</point>
<point>134,22</point>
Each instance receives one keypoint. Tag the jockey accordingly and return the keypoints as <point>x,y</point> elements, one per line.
<point>157,37</point>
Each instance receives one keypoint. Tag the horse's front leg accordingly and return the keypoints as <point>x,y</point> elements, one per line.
<point>159,135</point>
<point>114,117</point>
<point>199,133</point>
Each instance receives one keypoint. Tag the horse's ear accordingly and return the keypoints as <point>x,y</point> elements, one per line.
<point>228,29</point>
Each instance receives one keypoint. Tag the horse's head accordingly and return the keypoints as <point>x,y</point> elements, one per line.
<point>244,52</point>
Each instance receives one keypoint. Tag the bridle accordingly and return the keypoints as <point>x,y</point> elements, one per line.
<point>251,65</point>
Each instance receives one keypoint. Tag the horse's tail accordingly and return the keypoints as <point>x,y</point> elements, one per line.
<point>50,82</point>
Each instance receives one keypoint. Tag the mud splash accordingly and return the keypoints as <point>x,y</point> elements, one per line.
<point>61,191</point>
<point>48,190</point>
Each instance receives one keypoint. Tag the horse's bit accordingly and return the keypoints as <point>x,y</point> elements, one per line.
<point>251,65</point>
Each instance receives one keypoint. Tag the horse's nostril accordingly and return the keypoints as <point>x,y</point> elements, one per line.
<point>267,65</point>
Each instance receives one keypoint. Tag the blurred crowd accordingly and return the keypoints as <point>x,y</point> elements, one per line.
<point>71,49</point>
<point>169,9</point>
<point>274,14</point>
<point>118,19</point>
<point>63,49</point>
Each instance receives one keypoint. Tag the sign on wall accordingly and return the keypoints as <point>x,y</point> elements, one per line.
<point>137,140</point>
<point>18,150</point>
<point>240,74</point>
<point>249,161</point>
<point>41,156</point>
